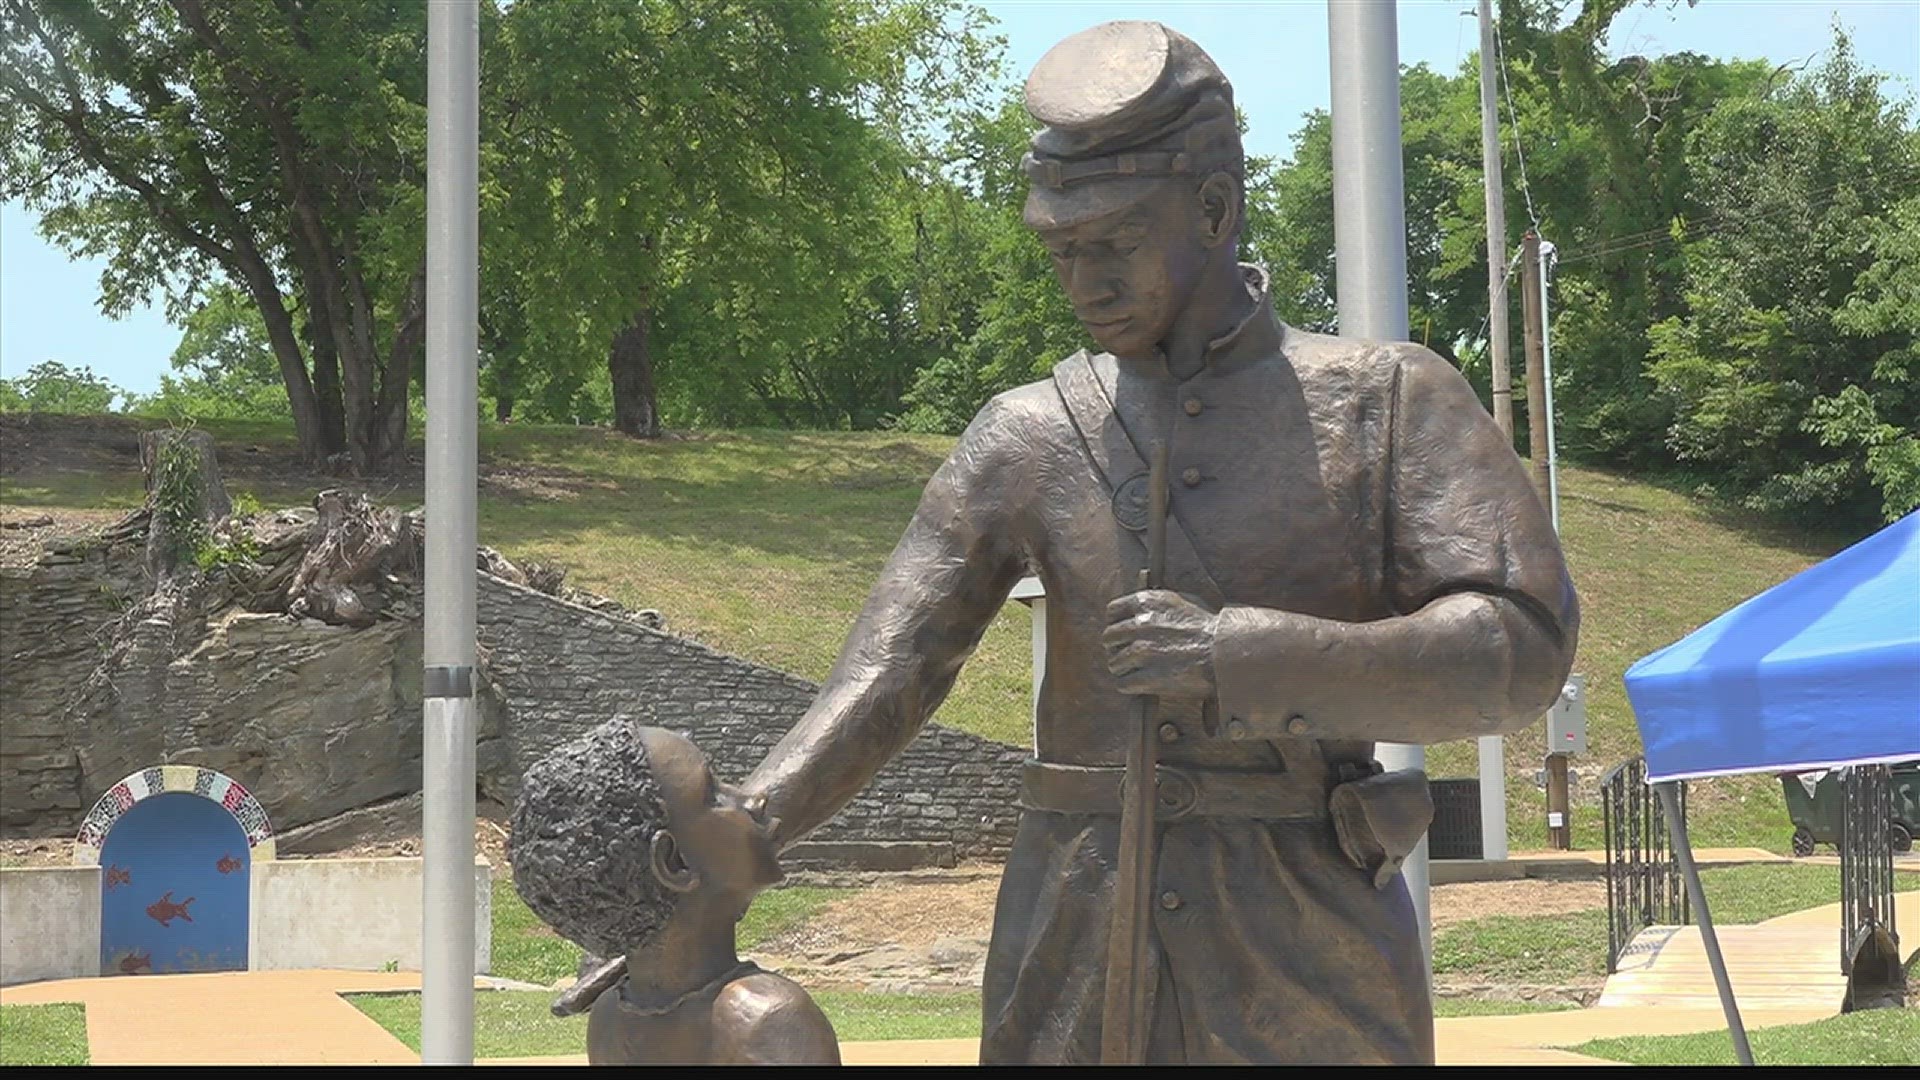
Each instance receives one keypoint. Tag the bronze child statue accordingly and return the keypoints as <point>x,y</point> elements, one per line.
<point>626,844</point>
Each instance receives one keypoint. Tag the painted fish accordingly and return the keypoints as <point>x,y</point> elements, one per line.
<point>164,910</point>
<point>133,964</point>
<point>228,864</point>
<point>117,876</point>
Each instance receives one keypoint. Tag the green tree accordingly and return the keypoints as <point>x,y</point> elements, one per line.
<point>1019,323</point>
<point>688,191</point>
<point>224,363</point>
<point>1606,147</point>
<point>1790,375</point>
<point>276,146</point>
<point>1882,416</point>
<point>52,387</point>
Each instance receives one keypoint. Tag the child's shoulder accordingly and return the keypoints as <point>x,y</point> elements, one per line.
<point>765,1018</point>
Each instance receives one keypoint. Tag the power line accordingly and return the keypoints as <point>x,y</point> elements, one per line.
<point>1513,263</point>
<point>1513,122</point>
<point>1722,221</point>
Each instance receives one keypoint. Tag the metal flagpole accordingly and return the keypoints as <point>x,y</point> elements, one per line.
<point>1493,748</point>
<point>453,262</point>
<point>1370,244</point>
<point>1683,853</point>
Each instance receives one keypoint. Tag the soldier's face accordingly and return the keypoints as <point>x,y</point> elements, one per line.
<point>1130,273</point>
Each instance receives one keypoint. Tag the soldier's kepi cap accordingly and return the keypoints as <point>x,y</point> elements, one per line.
<point>1126,106</point>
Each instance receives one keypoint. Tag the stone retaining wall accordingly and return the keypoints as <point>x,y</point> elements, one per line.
<point>320,721</point>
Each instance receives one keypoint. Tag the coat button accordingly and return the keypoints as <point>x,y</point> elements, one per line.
<point>1170,900</point>
<point>1169,732</point>
<point>1236,729</point>
<point>1297,725</point>
<point>1191,477</point>
<point>1193,406</point>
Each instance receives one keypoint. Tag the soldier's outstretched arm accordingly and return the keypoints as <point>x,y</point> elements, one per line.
<point>1489,618</point>
<point>954,567</point>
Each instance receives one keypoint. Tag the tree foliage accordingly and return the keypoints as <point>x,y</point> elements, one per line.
<point>705,194</point>
<point>807,214</point>
<point>53,387</point>
<point>1790,375</point>
<point>274,145</point>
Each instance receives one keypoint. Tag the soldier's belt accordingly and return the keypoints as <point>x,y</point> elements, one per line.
<point>1181,792</point>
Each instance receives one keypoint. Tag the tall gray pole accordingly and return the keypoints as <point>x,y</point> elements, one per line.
<point>1370,241</point>
<point>1493,749</point>
<point>453,295</point>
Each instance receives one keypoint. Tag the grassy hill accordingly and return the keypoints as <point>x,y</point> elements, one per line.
<point>765,544</point>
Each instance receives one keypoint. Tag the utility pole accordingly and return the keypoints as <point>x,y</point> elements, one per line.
<point>1498,333</point>
<point>1370,242</point>
<point>448,729</point>
<point>1493,748</point>
<point>1532,296</point>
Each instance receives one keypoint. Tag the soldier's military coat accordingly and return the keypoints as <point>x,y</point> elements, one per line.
<point>1384,571</point>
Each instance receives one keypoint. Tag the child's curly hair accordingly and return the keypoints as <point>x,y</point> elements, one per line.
<point>583,830</point>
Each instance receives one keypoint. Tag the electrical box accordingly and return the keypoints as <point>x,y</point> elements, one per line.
<point>1567,719</point>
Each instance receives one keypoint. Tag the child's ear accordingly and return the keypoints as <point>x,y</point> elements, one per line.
<point>669,866</point>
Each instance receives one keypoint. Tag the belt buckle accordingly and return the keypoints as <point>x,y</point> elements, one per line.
<point>1175,794</point>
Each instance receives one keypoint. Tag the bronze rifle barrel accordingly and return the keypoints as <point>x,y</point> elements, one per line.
<point>1124,1021</point>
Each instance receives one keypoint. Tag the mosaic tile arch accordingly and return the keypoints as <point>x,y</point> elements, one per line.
<point>206,783</point>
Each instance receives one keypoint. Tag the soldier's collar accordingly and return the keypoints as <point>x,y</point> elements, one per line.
<point>1254,336</point>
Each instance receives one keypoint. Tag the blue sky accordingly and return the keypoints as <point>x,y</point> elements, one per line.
<point>1275,51</point>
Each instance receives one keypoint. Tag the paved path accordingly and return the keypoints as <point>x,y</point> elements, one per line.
<point>1789,962</point>
<point>230,1018</point>
<point>299,1018</point>
<point>1528,1039</point>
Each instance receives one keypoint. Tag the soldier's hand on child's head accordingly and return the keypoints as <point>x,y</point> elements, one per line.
<point>1161,642</point>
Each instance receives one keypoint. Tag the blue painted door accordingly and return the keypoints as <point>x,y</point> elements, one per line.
<point>173,883</point>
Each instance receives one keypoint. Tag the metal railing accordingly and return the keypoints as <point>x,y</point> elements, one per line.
<point>1866,858</point>
<point>1644,886</point>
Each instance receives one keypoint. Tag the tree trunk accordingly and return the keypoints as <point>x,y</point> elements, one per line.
<point>326,391</point>
<point>636,411</point>
<point>389,449</point>
<point>309,417</point>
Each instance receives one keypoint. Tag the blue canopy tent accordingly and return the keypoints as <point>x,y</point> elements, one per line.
<point>1820,671</point>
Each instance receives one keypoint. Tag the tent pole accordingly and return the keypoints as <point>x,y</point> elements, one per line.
<point>1683,852</point>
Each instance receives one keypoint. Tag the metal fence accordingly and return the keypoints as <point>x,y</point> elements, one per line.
<point>1866,858</point>
<point>1644,886</point>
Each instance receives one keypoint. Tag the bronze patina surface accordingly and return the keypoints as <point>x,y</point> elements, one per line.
<point>1354,554</point>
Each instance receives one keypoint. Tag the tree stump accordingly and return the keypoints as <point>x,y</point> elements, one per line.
<point>351,549</point>
<point>185,495</point>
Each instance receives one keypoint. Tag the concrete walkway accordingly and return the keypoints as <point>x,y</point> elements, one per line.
<point>1571,864</point>
<point>300,1018</point>
<point>229,1018</point>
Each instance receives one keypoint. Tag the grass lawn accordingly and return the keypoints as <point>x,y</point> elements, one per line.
<point>859,1017</point>
<point>527,950</point>
<point>518,1023</point>
<point>1873,1037</point>
<point>43,1035</point>
<point>1544,949</point>
<point>765,544</point>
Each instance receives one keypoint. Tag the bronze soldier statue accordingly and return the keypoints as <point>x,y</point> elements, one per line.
<point>1354,554</point>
